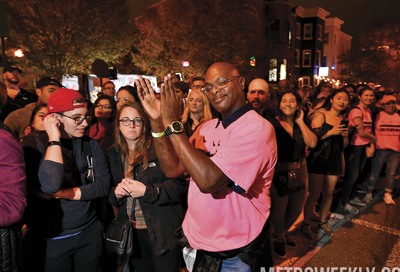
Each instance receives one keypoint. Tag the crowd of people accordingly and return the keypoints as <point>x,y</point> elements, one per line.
<point>212,173</point>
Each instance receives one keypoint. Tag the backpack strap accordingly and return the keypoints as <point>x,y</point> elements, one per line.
<point>357,107</point>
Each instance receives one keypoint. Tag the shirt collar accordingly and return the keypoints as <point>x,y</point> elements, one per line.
<point>234,116</point>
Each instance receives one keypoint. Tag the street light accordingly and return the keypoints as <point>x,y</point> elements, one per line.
<point>185,64</point>
<point>18,53</point>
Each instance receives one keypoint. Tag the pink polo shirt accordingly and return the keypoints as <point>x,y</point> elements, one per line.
<point>246,152</point>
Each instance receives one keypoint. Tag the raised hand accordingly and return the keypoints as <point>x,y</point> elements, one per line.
<point>51,125</point>
<point>299,116</point>
<point>149,101</point>
<point>171,105</point>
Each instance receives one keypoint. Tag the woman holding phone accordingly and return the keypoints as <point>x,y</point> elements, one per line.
<point>325,169</point>
<point>292,135</point>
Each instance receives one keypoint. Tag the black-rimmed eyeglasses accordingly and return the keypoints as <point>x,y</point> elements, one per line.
<point>78,119</point>
<point>136,121</point>
<point>219,84</point>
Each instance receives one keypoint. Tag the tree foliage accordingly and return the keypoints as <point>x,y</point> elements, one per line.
<point>198,31</point>
<point>65,37</point>
<point>377,57</point>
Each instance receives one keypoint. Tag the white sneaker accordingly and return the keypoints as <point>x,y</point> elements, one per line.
<point>357,201</point>
<point>350,209</point>
<point>387,197</point>
<point>336,216</point>
<point>368,198</point>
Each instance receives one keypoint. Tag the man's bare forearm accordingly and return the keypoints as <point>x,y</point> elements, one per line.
<point>168,158</point>
<point>205,173</point>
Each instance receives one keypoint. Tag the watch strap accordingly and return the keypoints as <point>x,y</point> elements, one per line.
<point>157,134</point>
<point>168,131</point>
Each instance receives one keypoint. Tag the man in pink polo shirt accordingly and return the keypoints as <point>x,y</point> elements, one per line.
<point>230,160</point>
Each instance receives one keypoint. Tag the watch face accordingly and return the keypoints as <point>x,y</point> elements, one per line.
<point>177,126</point>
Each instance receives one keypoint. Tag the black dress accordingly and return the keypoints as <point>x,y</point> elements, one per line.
<point>332,165</point>
<point>290,149</point>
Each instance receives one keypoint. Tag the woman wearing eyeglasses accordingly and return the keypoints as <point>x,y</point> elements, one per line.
<point>66,173</point>
<point>142,189</point>
<point>101,127</point>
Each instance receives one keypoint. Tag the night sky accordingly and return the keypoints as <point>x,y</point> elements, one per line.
<point>356,14</point>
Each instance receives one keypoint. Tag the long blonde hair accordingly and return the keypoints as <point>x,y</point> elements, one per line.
<point>142,145</point>
<point>206,111</point>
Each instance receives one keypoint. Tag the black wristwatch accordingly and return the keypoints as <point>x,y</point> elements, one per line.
<point>175,127</point>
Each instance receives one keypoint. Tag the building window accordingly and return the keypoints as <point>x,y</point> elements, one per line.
<point>297,57</point>
<point>333,67</point>
<point>307,32</point>
<point>289,33</point>
<point>275,31</point>
<point>323,61</point>
<point>273,70</point>
<point>306,81</point>
<point>326,37</point>
<point>306,58</point>
<point>298,31</point>
<point>316,81</point>
<point>282,70</point>
<point>318,58</point>
<point>319,32</point>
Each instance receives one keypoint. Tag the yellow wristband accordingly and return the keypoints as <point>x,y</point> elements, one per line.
<point>157,134</point>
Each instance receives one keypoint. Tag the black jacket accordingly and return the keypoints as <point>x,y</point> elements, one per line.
<point>55,217</point>
<point>22,99</point>
<point>163,203</point>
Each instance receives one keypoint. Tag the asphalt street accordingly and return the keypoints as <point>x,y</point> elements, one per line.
<point>370,239</point>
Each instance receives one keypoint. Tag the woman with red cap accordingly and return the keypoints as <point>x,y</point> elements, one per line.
<point>66,173</point>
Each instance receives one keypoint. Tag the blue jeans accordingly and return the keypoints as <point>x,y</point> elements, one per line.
<point>235,264</point>
<point>354,165</point>
<point>382,156</point>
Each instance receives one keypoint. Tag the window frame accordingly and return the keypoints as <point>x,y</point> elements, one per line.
<point>309,52</point>
<point>308,31</point>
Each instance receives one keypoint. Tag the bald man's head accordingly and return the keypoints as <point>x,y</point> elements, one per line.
<point>258,94</point>
<point>224,88</point>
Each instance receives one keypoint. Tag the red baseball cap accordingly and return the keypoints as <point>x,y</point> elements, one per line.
<point>64,99</point>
